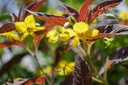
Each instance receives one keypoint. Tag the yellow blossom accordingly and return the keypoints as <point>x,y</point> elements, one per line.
<point>28,27</point>
<point>53,36</point>
<point>65,68</point>
<point>11,36</point>
<point>123,15</point>
<point>81,31</point>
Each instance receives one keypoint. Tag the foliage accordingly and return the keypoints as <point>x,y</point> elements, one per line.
<point>68,47</point>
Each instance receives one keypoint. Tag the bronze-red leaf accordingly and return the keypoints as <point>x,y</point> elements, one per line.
<point>7,27</point>
<point>84,10</point>
<point>33,7</point>
<point>58,20</point>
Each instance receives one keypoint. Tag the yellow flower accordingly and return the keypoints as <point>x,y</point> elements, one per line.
<point>123,15</point>
<point>81,31</point>
<point>53,36</point>
<point>28,27</point>
<point>11,36</point>
<point>65,68</point>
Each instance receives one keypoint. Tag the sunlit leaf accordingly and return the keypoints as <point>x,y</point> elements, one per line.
<point>82,73</point>
<point>84,10</point>
<point>33,7</point>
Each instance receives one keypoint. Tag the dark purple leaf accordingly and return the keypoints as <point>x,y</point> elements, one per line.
<point>84,10</point>
<point>118,56</point>
<point>68,80</point>
<point>101,8</point>
<point>70,10</point>
<point>7,27</point>
<point>116,29</point>
<point>110,30</point>
<point>82,73</point>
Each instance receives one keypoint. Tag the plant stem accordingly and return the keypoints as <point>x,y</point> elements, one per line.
<point>87,53</point>
<point>97,80</point>
<point>35,55</point>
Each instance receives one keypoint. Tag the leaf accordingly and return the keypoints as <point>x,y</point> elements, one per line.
<point>68,80</point>
<point>82,73</point>
<point>14,17</point>
<point>16,59</point>
<point>60,51</point>
<point>116,29</point>
<point>84,10</point>
<point>8,44</point>
<point>100,35</point>
<point>110,30</point>
<point>116,57</point>
<point>19,14</point>
<point>70,10</point>
<point>33,7</point>
<point>7,27</point>
<point>101,8</point>
<point>38,80</point>
<point>58,20</point>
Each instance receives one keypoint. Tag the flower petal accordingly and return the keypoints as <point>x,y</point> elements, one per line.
<point>30,21</point>
<point>33,34</point>
<point>75,42</point>
<point>21,27</point>
<point>70,32</point>
<point>53,39</point>
<point>51,33</point>
<point>63,37</point>
<point>92,32</point>
<point>35,29</point>
<point>80,27</point>
<point>24,36</point>
<point>15,37</point>
<point>123,15</point>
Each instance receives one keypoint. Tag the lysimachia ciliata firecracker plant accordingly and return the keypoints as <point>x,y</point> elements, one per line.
<point>71,28</point>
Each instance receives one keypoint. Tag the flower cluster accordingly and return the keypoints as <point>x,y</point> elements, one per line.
<point>79,31</point>
<point>23,30</point>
